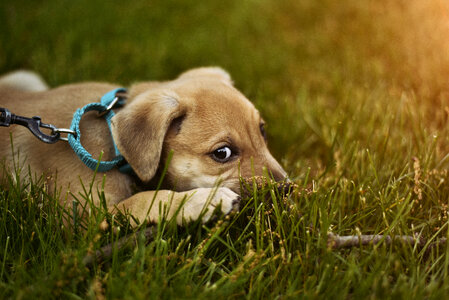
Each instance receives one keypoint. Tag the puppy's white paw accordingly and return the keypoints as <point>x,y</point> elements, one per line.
<point>202,202</point>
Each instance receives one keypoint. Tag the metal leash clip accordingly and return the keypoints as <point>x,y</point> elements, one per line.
<point>110,106</point>
<point>119,99</point>
<point>34,124</point>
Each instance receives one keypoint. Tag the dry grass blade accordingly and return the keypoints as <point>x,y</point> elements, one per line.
<point>335,241</point>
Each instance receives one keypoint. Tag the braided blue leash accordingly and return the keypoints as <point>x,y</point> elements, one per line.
<point>107,101</point>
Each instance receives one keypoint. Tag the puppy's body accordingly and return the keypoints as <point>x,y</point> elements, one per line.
<point>199,116</point>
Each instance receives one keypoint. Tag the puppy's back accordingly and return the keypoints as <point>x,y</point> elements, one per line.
<point>23,80</point>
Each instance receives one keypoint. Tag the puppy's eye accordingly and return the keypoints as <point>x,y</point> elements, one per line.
<point>222,154</point>
<point>262,130</point>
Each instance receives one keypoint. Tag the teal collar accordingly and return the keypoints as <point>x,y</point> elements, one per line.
<point>108,101</point>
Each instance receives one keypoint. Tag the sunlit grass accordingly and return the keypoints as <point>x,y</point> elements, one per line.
<point>355,99</point>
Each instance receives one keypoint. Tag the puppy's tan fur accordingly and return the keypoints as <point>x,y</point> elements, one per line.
<point>192,116</point>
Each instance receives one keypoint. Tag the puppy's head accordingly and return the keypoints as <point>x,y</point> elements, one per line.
<point>215,133</point>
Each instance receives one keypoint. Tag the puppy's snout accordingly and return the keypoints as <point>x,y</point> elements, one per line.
<point>279,174</point>
<point>275,170</point>
<point>265,166</point>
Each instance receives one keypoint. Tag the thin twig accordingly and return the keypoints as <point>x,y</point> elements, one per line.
<point>106,251</point>
<point>335,241</point>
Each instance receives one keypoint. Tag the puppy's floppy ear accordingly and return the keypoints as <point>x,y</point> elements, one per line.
<point>139,129</point>
<point>208,72</point>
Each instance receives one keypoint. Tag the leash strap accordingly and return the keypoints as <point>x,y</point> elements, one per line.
<point>109,100</point>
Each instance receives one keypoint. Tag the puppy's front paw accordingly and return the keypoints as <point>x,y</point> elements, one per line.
<point>202,202</point>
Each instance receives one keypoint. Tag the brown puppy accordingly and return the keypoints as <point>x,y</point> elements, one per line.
<point>215,134</point>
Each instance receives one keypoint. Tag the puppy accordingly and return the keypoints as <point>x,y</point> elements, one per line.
<point>214,133</point>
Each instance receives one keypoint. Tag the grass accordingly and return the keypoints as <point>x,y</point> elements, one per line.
<point>355,97</point>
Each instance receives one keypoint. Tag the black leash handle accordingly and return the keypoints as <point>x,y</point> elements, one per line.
<point>34,124</point>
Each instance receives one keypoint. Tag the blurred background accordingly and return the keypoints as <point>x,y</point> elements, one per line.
<point>313,68</point>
